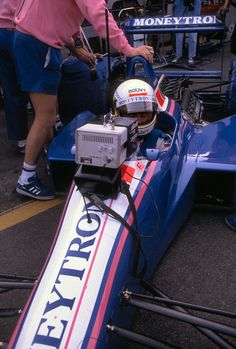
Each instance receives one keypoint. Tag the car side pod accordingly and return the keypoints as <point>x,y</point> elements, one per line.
<point>152,154</point>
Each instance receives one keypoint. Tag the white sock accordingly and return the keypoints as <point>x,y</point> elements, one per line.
<point>27,172</point>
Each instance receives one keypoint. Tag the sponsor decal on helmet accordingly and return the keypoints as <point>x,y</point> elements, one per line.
<point>134,99</point>
<point>137,92</point>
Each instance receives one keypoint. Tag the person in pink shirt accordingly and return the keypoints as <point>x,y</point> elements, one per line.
<point>43,27</point>
<point>15,102</point>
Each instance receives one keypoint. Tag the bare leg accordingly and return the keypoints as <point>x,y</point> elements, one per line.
<point>40,134</point>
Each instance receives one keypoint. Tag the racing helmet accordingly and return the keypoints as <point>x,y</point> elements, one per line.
<point>136,98</point>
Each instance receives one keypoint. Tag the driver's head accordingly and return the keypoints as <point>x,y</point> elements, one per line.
<point>136,98</point>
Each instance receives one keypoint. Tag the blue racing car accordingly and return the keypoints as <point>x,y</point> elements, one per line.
<point>135,173</point>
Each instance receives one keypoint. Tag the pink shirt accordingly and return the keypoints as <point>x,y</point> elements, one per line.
<point>55,21</point>
<point>7,11</point>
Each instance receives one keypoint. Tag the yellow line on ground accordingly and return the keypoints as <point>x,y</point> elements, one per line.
<point>26,211</point>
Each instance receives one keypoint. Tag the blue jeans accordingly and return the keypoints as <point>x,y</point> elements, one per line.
<point>181,10</point>
<point>15,102</point>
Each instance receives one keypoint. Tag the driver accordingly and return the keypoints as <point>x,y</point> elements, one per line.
<point>136,98</point>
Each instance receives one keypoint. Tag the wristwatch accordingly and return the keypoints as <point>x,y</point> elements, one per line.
<point>78,43</point>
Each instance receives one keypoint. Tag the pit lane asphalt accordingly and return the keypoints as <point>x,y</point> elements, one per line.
<point>199,267</point>
<point>26,229</point>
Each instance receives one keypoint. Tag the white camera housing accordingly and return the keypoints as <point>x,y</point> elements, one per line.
<point>100,145</point>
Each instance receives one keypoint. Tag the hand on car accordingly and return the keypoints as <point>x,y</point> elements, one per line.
<point>145,51</point>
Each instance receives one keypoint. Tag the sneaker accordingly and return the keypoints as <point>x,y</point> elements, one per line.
<point>34,189</point>
<point>176,60</point>
<point>191,61</point>
<point>230,220</point>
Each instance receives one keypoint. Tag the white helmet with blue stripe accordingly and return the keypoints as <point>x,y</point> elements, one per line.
<point>136,98</point>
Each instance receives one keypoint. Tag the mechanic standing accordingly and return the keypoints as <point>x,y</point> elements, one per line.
<point>230,220</point>
<point>15,102</point>
<point>186,8</point>
<point>42,28</point>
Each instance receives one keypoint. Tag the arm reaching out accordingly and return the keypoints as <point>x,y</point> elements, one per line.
<point>144,51</point>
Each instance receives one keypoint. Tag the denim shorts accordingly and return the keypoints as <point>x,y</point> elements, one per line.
<point>38,65</point>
